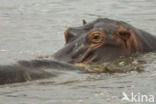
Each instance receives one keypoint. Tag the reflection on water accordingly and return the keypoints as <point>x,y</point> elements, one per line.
<point>33,28</point>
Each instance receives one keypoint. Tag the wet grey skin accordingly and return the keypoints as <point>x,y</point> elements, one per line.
<point>121,39</point>
<point>98,41</point>
<point>33,70</point>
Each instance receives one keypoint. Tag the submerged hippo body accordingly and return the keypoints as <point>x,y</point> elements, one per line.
<point>102,40</point>
<point>98,41</point>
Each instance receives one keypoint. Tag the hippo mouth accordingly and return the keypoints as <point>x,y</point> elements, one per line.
<point>87,57</point>
<point>83,55</point>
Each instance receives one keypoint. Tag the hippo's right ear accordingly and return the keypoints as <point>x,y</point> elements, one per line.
<point>84,22</point>
<point>124,35</point>
<point>129,39</point>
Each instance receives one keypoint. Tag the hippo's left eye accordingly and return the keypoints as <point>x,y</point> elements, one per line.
<point>96,36</point>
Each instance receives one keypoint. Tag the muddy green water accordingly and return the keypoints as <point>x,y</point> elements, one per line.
<point>33,28</point>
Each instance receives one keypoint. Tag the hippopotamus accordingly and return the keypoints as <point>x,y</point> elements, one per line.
<point>104,40</point>
<point>98,41</point>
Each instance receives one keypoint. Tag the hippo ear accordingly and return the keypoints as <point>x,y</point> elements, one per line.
<point>84,22</point>
<point>124,35</point>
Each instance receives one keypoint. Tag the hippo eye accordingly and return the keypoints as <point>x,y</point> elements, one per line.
<point>96,37</point>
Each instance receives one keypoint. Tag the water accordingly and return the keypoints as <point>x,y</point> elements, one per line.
<point>33,28</point>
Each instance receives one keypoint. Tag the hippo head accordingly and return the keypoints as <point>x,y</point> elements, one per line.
<point>101,40</point>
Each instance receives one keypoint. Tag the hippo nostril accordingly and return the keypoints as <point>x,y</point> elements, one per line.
<point>69,35</point>
<point>66,35</point>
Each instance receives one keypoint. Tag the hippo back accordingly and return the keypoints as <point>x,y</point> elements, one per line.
<point>147,41</point>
